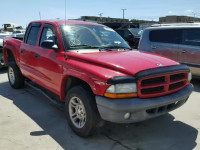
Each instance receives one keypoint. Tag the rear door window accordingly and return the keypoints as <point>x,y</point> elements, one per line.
<point>172,36</point>
<point>191,37</point>
<point>33,34</point>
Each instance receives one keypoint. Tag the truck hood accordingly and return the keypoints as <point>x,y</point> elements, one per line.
<point>127,62</point>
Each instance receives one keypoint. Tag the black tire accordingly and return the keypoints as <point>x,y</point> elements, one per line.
<point>18,81</point>
<point>92,115</point>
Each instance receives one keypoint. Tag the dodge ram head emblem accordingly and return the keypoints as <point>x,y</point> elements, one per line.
<point>160,65</point>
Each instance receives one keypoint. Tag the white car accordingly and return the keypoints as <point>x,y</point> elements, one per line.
<point>2,36</point>
<point>18,33</point>
<point>5,34</point>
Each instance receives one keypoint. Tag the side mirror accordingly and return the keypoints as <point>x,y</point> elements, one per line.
<point>49,44</point>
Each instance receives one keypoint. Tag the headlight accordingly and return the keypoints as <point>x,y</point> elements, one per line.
<point>126,90</point>
<point>189,76</point>
<point>122,88</point>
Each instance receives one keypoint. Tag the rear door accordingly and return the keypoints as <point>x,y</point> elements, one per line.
<point>166,42</point>
<point>27,57</point>
<point>190,49</point>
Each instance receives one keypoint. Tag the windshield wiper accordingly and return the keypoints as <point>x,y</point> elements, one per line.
<point>84,46</point>
<point>104,49</point>
<point>115,47</point>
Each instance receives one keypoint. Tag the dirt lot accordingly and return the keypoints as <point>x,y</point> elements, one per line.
<point>29,121</point>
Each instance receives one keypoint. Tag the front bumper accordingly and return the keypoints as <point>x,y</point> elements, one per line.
<point>113,110</point>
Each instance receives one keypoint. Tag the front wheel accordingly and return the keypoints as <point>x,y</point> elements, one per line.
<point>15,77</point>
<point>81,111</point>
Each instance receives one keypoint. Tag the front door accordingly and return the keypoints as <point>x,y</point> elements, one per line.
<point>50,66</point>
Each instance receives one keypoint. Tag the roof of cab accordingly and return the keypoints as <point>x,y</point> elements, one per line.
<point>63,22</point>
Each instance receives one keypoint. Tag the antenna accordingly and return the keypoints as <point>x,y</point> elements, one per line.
<point>65,11</point>
<point>40,15</point>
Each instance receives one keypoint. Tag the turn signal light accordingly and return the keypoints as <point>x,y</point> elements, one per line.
<point>118,96</point>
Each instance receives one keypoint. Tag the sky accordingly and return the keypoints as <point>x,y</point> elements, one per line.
<point>21,12</point>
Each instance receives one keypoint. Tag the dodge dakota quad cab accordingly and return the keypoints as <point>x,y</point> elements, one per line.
<point>94,73</point>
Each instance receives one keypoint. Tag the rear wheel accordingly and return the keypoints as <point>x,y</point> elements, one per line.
<point>15,76</point>
<point>81,111</point>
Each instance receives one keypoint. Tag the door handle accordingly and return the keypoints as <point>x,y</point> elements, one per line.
<point>153,47</point>
<point>22,51</point>
<point>37,56</point>
<point>183,51</point>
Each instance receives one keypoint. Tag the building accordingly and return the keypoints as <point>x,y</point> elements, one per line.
<point>177,19</point>
<point>104,19</point>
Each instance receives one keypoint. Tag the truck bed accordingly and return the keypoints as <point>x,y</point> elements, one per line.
<point>13,44</point>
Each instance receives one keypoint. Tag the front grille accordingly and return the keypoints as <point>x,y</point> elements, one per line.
<point>163,84</point>
<point>154,89</point>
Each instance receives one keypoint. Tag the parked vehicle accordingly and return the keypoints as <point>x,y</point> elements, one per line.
<point>131,35</point>
<point>9,27</point>
<point>2,64</point>
<point>5,34</point>
<point>19,33</point>
<point>180,42</point>
<point>92,71</point>
<point>2,36</point>
<point>130,32</point>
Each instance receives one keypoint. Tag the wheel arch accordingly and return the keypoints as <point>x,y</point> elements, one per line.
<point>70,81</point>
<point>9,56</point>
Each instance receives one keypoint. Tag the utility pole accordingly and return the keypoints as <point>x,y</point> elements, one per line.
<point>100,16</point>
<point>123,12</point>
<point>194,14</point>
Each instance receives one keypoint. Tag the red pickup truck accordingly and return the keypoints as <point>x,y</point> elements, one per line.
<point>95,74</point>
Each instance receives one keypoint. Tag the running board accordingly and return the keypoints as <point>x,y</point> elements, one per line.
<point>57,103</point>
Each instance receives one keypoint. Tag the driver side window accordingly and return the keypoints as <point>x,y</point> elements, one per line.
<point>47,35</point>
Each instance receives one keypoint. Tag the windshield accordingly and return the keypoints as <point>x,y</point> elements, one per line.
<point>136,32</point>
<point>92,36</point>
